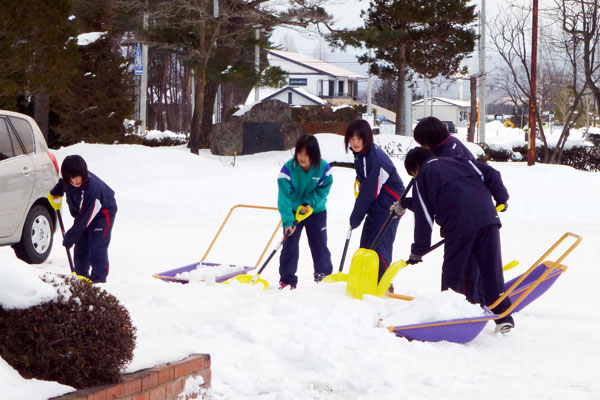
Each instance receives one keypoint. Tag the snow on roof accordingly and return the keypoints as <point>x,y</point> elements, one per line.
<point>266,92</point>
<point>454,102</point>
<point>317,64</point>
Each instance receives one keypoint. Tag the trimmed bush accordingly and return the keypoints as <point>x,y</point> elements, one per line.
<point>165,141</point>
<point>82,339</point>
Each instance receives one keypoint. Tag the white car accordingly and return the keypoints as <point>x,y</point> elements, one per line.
<point>27,173</point>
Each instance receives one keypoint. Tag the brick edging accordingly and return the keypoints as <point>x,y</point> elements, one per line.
<point>162,382</point>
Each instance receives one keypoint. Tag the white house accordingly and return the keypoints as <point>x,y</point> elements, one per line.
<point>444,109</point>
<point>329,82</point>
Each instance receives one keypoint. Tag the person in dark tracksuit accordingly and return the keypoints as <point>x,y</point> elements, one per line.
<point>92,204</point>
<point>380,187</point>
<point>457,194</point>
<point>432,134</point>
<point>305,180</point>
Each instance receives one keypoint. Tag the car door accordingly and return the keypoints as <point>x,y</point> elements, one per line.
<point>17,177</point>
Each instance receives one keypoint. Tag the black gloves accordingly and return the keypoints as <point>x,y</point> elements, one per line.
<point>413,259</point>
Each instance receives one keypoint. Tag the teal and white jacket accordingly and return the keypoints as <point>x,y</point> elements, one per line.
<point>297,187</point>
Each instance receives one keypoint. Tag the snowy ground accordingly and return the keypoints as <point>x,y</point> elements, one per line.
<point>316,343</point>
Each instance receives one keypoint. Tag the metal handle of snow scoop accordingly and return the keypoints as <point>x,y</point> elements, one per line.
<point>551,267</point>
<point>225,222</point>
<point>390,217</point>
<point>298,218</point>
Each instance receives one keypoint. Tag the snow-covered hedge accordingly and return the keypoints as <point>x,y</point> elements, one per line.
<point>84,337</point>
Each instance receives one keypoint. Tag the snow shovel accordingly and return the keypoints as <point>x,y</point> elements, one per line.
<point>340,276</point>
<point>56,203</point>
<point>253,280</point>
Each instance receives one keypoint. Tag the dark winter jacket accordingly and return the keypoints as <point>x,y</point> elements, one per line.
<point>452,147</point>
<point>457,194</point>
<point>91,201</point>
<point>380,184</point>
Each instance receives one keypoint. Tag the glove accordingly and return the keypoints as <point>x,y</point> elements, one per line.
<point>55,201</point>
<point>67,244</point>
<point>413,259</point>
<point>397,208</point>
<point>503,208</point>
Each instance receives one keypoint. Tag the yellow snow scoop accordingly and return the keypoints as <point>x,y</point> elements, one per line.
<point>302,213</point>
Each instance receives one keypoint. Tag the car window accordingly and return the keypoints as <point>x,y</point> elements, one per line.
<point>9,146</point>
<point>25,133</point>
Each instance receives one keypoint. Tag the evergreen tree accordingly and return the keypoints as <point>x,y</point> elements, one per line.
<point>39,54</point>
<point>99,99</point>
<point>431,37</point>
<point>101,95</point>
<point>385,94</point>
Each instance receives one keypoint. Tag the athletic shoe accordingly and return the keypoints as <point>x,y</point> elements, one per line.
<point>319,277</point>
<point>504,325</point>
<point>285,285</point>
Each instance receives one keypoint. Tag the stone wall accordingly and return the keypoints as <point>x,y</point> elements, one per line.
<point>227,138</point>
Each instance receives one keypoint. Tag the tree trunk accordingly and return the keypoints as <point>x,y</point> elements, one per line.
<point>210,91</point>
<point>196,139</point>
<point>400,115</point>
<point>473,112</point>
<point>41,112</point>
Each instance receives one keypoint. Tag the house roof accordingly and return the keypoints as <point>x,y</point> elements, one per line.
<point>266,93</point>
<point>458,103</point>
<point>316,64</point>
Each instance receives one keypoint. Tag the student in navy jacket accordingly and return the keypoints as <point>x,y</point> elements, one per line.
<point>432,134</point>
<point>380,187</point>
<point>92,204</point>
<point>457,194</point>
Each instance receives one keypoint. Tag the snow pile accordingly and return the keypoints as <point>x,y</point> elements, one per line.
<point>20,286</point>
<point>158,135</point>
<point>428,307</point>
<point>315,342</point>
<point>14,387</point>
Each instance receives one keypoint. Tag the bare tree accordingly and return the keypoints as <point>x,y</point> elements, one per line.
<point>581,19</point>
<point>288,43</point>
<point>508,32</point>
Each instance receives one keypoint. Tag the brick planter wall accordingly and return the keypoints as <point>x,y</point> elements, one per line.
<point>163,382</point>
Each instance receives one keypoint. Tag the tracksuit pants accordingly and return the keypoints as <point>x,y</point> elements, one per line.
<point>316,232</point>
<point>473,256</point>
<point>91,250</point>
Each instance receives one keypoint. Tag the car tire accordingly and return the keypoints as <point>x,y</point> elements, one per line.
<point>37,238</point>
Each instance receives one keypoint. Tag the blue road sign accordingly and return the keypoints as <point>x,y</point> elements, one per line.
<point>139,66</point>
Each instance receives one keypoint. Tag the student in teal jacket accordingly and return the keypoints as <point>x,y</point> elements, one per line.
<point>304,180</point>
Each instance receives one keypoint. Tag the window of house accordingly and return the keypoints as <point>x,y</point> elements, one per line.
<point>341,88</point>
<point>289,97</point>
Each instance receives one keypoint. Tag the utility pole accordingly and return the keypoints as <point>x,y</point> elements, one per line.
<point>370,89</point>
<point>218,96</point>
<point>144,79</point>
<point>407,108</point>
<point>425,94</point>
<point>532,124</point>
<point>257,63</point>
<point>482,99</point>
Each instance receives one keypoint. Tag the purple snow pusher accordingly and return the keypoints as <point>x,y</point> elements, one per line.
<point>522,290</point>
<point>171,275</point>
